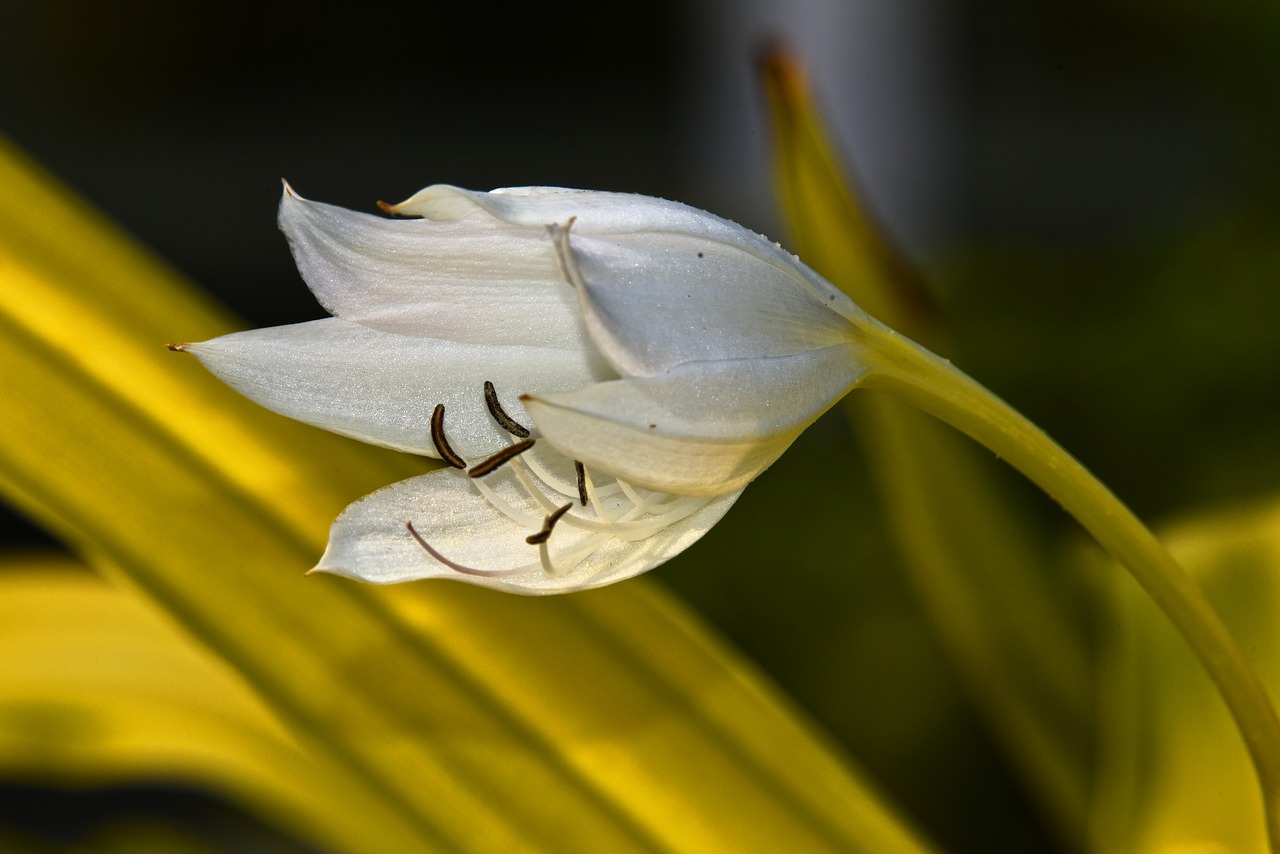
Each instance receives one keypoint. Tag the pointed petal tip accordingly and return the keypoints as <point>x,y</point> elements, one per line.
<point>564,255</point>
<point>322,569</point>
<point>290,200</point>
<point>177,348</point>
<point>780,65</point>
<point>289,194</point>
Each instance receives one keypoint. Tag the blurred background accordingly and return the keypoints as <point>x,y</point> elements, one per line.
<point>1090,188</point>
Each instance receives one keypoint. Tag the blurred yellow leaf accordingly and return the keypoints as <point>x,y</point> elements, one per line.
<point>983,582</point>
<point>827,225</point>
<point>95,688</point>
<point>1173,774</point>
<point>603,721</point>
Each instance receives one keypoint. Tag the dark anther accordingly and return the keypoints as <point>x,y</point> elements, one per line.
<point>505,421</point>
<point>548,525</point>
<point>442,444</point>
<point>582,481</point>
<point>507,454</point>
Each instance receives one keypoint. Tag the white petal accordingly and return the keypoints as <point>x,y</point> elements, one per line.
<point>370,542</point>
<point>702,428</point>
<point>382,388</point>
<point>650,263</point>
<point>596,212</point>
<point>652,301</point>
<point>477,279</point>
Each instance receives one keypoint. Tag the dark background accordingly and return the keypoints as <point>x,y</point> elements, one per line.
<point>1091,188</point>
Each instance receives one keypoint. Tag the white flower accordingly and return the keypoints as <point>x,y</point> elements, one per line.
<point>659,357</point>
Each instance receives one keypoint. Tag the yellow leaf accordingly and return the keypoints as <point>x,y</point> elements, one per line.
<point>828,227</point>
<point>96,688</point>
<point>984,584</point>
<point>609,721</point>
<point>1173,774</point>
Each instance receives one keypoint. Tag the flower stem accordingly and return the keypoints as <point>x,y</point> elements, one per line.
<point>903,368</point>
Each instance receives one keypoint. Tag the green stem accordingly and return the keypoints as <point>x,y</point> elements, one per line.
<point>903,368</point>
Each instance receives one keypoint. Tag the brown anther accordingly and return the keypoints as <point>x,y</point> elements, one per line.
<point>548,525</point>
<point>490,464</point>
<point>505,421</point>
<point>442,444</point>
<point>581,471</point>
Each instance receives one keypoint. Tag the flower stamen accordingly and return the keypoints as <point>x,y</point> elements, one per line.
<point>505,421</point>
<point>574,559</point>
<point>521,518</point>
<point>581,471</point>
<point>442,444</point>
<point>548,525</point>
<point>465,570</point>
<point>531,489</point>
<point>544,558</point>
<point>632,496</point>
<point>627,526</point>
<point>556,484</point>
<point>601,511</point>
<point>560,238</point>
<point>491,464</point>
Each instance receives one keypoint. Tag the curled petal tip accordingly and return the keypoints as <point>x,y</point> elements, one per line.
<point>289,191</point>
<point>396,210</point>
<point>780,64</point>
<point>560,231</point>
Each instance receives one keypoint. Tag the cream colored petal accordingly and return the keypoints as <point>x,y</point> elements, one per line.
<point>370,540</point>
<point>596,212</point>
<point>382,388</point>
<point>647,221</point>
<point>478,279</point>
<point>652,301</point>
<point>703,428</point>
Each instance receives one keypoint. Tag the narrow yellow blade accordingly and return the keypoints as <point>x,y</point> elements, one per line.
<point>982,582</point>
<point>96,687</point>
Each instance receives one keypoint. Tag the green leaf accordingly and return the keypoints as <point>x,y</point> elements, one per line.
<point>480,722</point>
